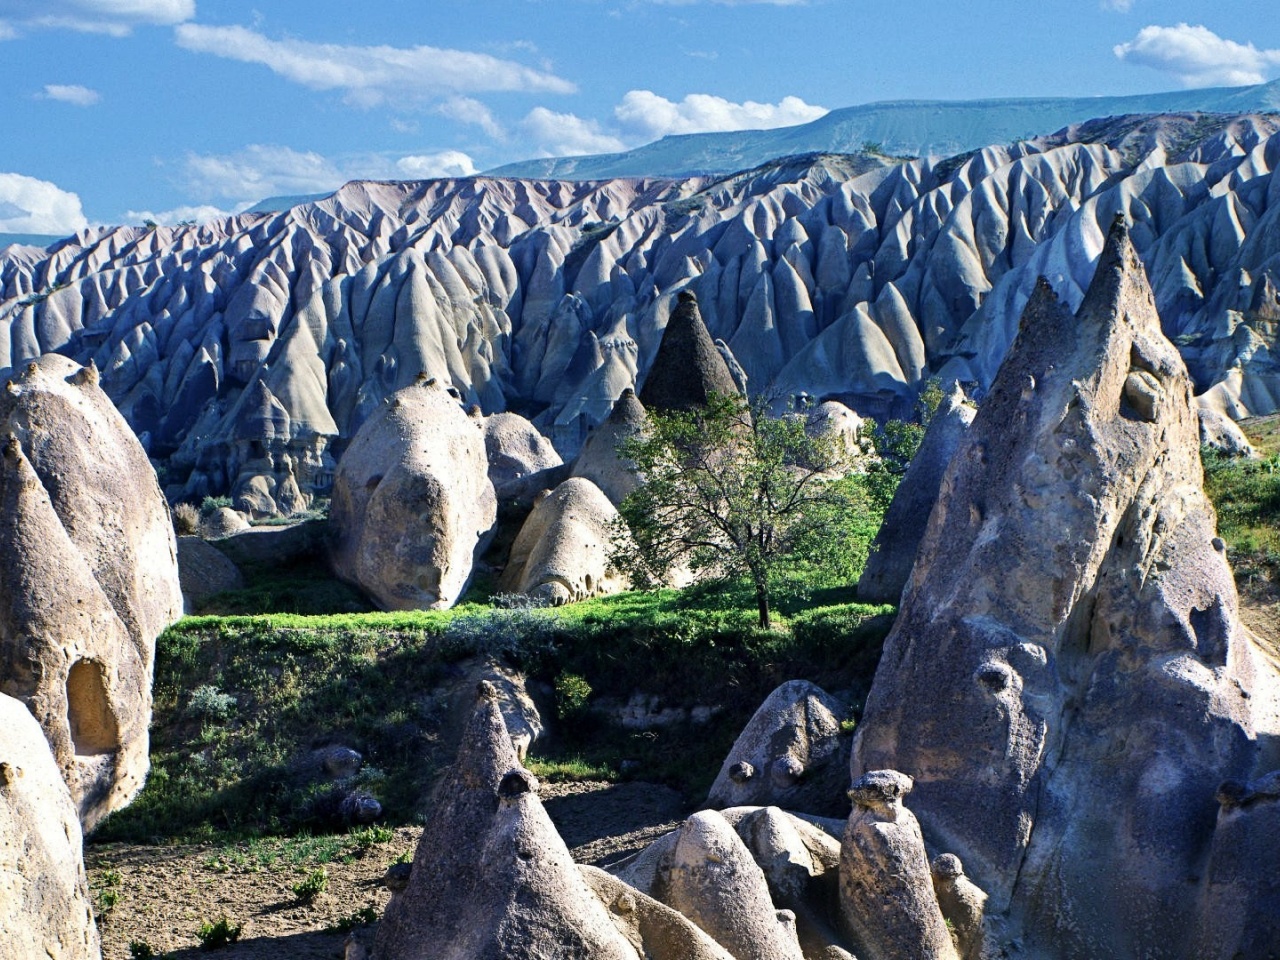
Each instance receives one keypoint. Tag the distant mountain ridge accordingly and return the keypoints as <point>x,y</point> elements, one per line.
<point>917,128</point>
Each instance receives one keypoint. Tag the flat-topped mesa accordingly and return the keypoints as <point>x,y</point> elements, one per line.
<point>1067,680</point>
<point>688,368</point>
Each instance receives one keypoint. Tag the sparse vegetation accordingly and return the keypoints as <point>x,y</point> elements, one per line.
<point>360,918</point>
<point>186,519</point>
<point>219,934</point>
<point>312,885</point>
<point>1246,495</point>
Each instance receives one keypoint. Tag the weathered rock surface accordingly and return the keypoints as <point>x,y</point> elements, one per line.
<point>1219,432</point>
<point>561,554</point>
<point>45,912</point>
<point>963,905</point>
<point>1067,680</point>
<point>91,577</point>
<point>599,460</point>
<point>223,522</point>
<point>256,346</point>
<point>204,570</point>
<point>491,879</point>
<point>713,880</point>
<point>654,929</point>
<point>412,503</point>
<point>791,754</point>
<point>688,369</point>
<point>519,456</point>
<point>886,889</point>
<point>893,552</point>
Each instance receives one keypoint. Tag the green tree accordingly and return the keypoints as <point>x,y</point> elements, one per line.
<point>729,491</point>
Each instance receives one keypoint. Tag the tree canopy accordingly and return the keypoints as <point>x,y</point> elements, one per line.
<point>728,490</point>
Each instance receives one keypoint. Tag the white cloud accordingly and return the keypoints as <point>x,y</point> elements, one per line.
<point>1198,57</point>
<point>71,93</point>
<point>6,31</point>
<point>201,213</point>
<point>565,134</point>
<point>1121,6</point>
<point>649,116</point>
<point>467,110</point>
<point>370,75</point>
<point>28,205</point>
<point>261,171</point>
<point>733,3</point>
<point>434,166</point>
<point>114,17</point>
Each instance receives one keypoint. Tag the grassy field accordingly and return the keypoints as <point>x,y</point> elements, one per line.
<point>1246,494</point>
<point>242,701</point>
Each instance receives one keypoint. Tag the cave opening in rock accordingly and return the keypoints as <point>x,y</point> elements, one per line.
<point>93,726</point>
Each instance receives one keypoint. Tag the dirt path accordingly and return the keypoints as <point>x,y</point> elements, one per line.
<point>160,895</point>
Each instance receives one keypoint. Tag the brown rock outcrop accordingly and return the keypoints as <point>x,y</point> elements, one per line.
<point>91,578</point>
<point>688,368</point>
<point>1067,681</point>
<point>44,897</point>
<point>412,502</point>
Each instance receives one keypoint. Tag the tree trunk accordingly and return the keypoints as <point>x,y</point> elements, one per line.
<point>762,604</point>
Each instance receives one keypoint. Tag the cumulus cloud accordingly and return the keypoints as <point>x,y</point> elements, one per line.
<point>201,213</point>
<point>468,110</point>
<point>370,75</point>
<point>260,171</point>
<point>566,134</point>
<point>645,114</point>
<point>114,17</point>
<point>28,205</point>
<point>433,166</point>
<point>1198,57</point>
<point>71,93</point>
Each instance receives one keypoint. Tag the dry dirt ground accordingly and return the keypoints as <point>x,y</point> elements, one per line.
<point>161,895</point>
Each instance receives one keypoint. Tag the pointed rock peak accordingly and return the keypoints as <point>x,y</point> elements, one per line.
<point>688,368</point>
<point>486,754</point>
<point>627,410</point>
<point>1119,282</point>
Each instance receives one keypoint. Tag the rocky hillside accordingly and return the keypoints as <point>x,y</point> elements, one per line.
<point>255,346</point>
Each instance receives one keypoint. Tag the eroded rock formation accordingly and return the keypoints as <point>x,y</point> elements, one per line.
<point>91,577</point>
<point>413,506</point>
<point>791,754</point>
<point>1067,681</point>
<point>561,554</point>
<point>688,369</point>
<point>45,912</point>
<point>893,552</point>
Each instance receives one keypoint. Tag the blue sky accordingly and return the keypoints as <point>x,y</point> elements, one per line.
<point>117,110</point>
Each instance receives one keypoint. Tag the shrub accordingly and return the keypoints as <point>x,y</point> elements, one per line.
<point>361,918</point>
<point>572,692</point>
<point>215,936</point>
<point>186,519</point>
<point>210,504</point>
<point>312,885</point>
<point>209,703</point>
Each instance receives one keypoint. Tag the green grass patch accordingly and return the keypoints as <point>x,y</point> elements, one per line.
<point>241,702</point>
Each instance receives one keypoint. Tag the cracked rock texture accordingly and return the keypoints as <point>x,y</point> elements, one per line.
<point>1067,680</point>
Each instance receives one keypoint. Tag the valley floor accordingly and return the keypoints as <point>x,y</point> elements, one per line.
<point>162,894</point>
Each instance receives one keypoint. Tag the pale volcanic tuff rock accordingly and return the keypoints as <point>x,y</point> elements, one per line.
<point>257,345</point>
<point>91,577</point>
<point>45,912</point>
<point>1067,680</point>
<point>893,551</point>
<point>791,754</point>
<point>599,460</point>
<point>561,554</point>
<point>519,456</point>
<point>412,502</point>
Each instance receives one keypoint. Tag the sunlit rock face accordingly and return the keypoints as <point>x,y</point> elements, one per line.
<point>245,353</point>
<point>90,577</point>
<point>1068,682</point>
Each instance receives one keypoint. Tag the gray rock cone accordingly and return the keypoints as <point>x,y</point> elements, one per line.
<point>1067,680</point>
<point>491,878</point>
<point>688,368</point>
<point>893,552</point>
